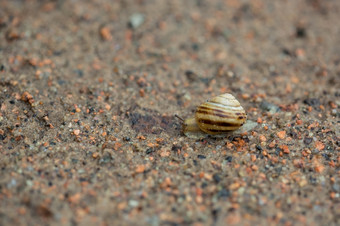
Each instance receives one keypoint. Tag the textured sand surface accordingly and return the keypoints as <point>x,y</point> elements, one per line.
<point>88,94</point>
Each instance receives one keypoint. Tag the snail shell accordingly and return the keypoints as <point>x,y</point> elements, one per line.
<point>218,115</point>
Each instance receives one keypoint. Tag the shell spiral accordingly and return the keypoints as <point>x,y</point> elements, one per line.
<point>220,114</point>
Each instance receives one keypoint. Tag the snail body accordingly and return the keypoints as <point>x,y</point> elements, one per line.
<point>218,115</point>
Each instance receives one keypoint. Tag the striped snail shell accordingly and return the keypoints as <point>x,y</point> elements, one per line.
<point>218,115</point>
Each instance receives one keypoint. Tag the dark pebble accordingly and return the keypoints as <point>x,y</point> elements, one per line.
<point>201,157</point>
<point>217,178</point>
<point>229,158</point>
<point>215,213</point>
<point>300,32</point>
<point>327,158</point>
<point>258,147</point>
<point>204,185</point>
<point>91,110</point>
<point>313,180</point>
<point>176,148</point>
<point>82,179</point>
<point>312,102</point>
<point>12,102</point>
<point>223,193</point>
<point>191,76</point>
<point>293,134</point>
<point>235,138</point>
<point>149,151</point>
<point>287,52</point>
<point>195,46</point>
<point>126,139</point>
<point>246,139</point>
<point>277,151</point>
<point>307,140</point>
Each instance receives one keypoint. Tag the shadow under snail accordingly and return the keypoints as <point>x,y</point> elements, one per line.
<point>218,115</point>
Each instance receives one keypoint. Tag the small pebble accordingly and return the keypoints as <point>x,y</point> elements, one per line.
<point>272,108</point>
<point>136,20</point>
<point>217,178</point>
<point>149,151</point>
<point>312,102</point>
<point>229,158</point>
<point>223,193</point>
<point>248,126</point>
<point>307,140</point>
<point>333,112</point>
<point>133,203</point>
<point>12,183</point>
<point>201,157</point>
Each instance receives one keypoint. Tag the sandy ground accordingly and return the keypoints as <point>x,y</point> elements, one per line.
<point>88,94</point>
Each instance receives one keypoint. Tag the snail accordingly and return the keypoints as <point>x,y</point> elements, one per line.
<point>218,115</point>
